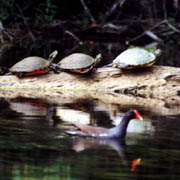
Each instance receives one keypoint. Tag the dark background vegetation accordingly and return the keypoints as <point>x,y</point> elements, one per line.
<point>88,26</point>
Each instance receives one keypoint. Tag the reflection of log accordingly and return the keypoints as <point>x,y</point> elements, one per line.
<point>157,82</point>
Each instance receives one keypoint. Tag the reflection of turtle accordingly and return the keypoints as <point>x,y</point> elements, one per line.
<point>135,58</point>
<point>78,63</point>
<point>32,66</point>
<point>33,108</point>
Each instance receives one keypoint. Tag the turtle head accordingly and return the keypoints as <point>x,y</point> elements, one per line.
<point>3,70</point>
<point>157,52</point>
<point>52,56</point>
<point>53,66</point>
<point>97,60</point>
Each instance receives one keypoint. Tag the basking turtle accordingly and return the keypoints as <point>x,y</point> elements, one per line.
<point>78,63</point>
<point>33,65</point>
<point>135,58</point>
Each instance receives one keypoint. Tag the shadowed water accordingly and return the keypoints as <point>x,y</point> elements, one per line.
<point>33,144</point>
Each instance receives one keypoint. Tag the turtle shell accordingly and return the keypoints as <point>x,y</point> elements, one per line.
<point>134,58</point>
<point>77,62</point>
<point>30,66</point>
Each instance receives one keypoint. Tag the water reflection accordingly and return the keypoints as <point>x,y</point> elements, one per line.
<point>34,111</point>
<point>29,109</point>
<point>33,145</point>
<point>81,144</point>
<point>98,115</point>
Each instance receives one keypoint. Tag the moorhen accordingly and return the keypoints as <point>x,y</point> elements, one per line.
<point>118,131</point>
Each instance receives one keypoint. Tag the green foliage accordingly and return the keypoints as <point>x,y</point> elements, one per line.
<point>6,9</point>
<point>101,17</point>
<point>150,49</point>
<point>171,20</point>
<point>49,11</point>
<point>86,19</point>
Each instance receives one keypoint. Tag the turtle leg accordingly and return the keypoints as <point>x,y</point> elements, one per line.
<point>20,74</point>
<point>54,68</point>
<point>9,73</point>
<point>108,65</point>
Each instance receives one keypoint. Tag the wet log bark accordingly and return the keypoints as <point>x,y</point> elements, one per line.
<point>157,82</point>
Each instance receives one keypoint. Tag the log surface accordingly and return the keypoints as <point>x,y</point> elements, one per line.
<point>157,82</point>
<point>154,90</point>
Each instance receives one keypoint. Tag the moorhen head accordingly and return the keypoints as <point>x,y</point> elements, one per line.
<point>118,131</point>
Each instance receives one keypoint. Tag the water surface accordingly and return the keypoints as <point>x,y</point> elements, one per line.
<point>33,144</point>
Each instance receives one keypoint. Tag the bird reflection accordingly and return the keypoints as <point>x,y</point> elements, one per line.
<point>81,144</point>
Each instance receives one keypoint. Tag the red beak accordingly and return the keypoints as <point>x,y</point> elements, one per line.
<point>138,116</point>
<point>135,163</point>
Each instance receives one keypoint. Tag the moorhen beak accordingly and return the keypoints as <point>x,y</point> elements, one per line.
<point>118,131</point>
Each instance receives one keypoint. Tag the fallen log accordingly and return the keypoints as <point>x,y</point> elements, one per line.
<point>157,82</point>
<point>155,90</point>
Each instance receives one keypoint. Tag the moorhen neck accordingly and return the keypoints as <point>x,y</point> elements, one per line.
<point>118,131</point>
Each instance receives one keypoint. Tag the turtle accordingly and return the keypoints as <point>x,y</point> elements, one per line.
<point>32,65</point>
<point>135,58</point>
<point>77,63</point>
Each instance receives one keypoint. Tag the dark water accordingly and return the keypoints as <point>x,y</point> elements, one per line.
<point>33,144</point>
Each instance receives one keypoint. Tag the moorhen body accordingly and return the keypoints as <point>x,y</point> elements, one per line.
<point>118,131</point>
